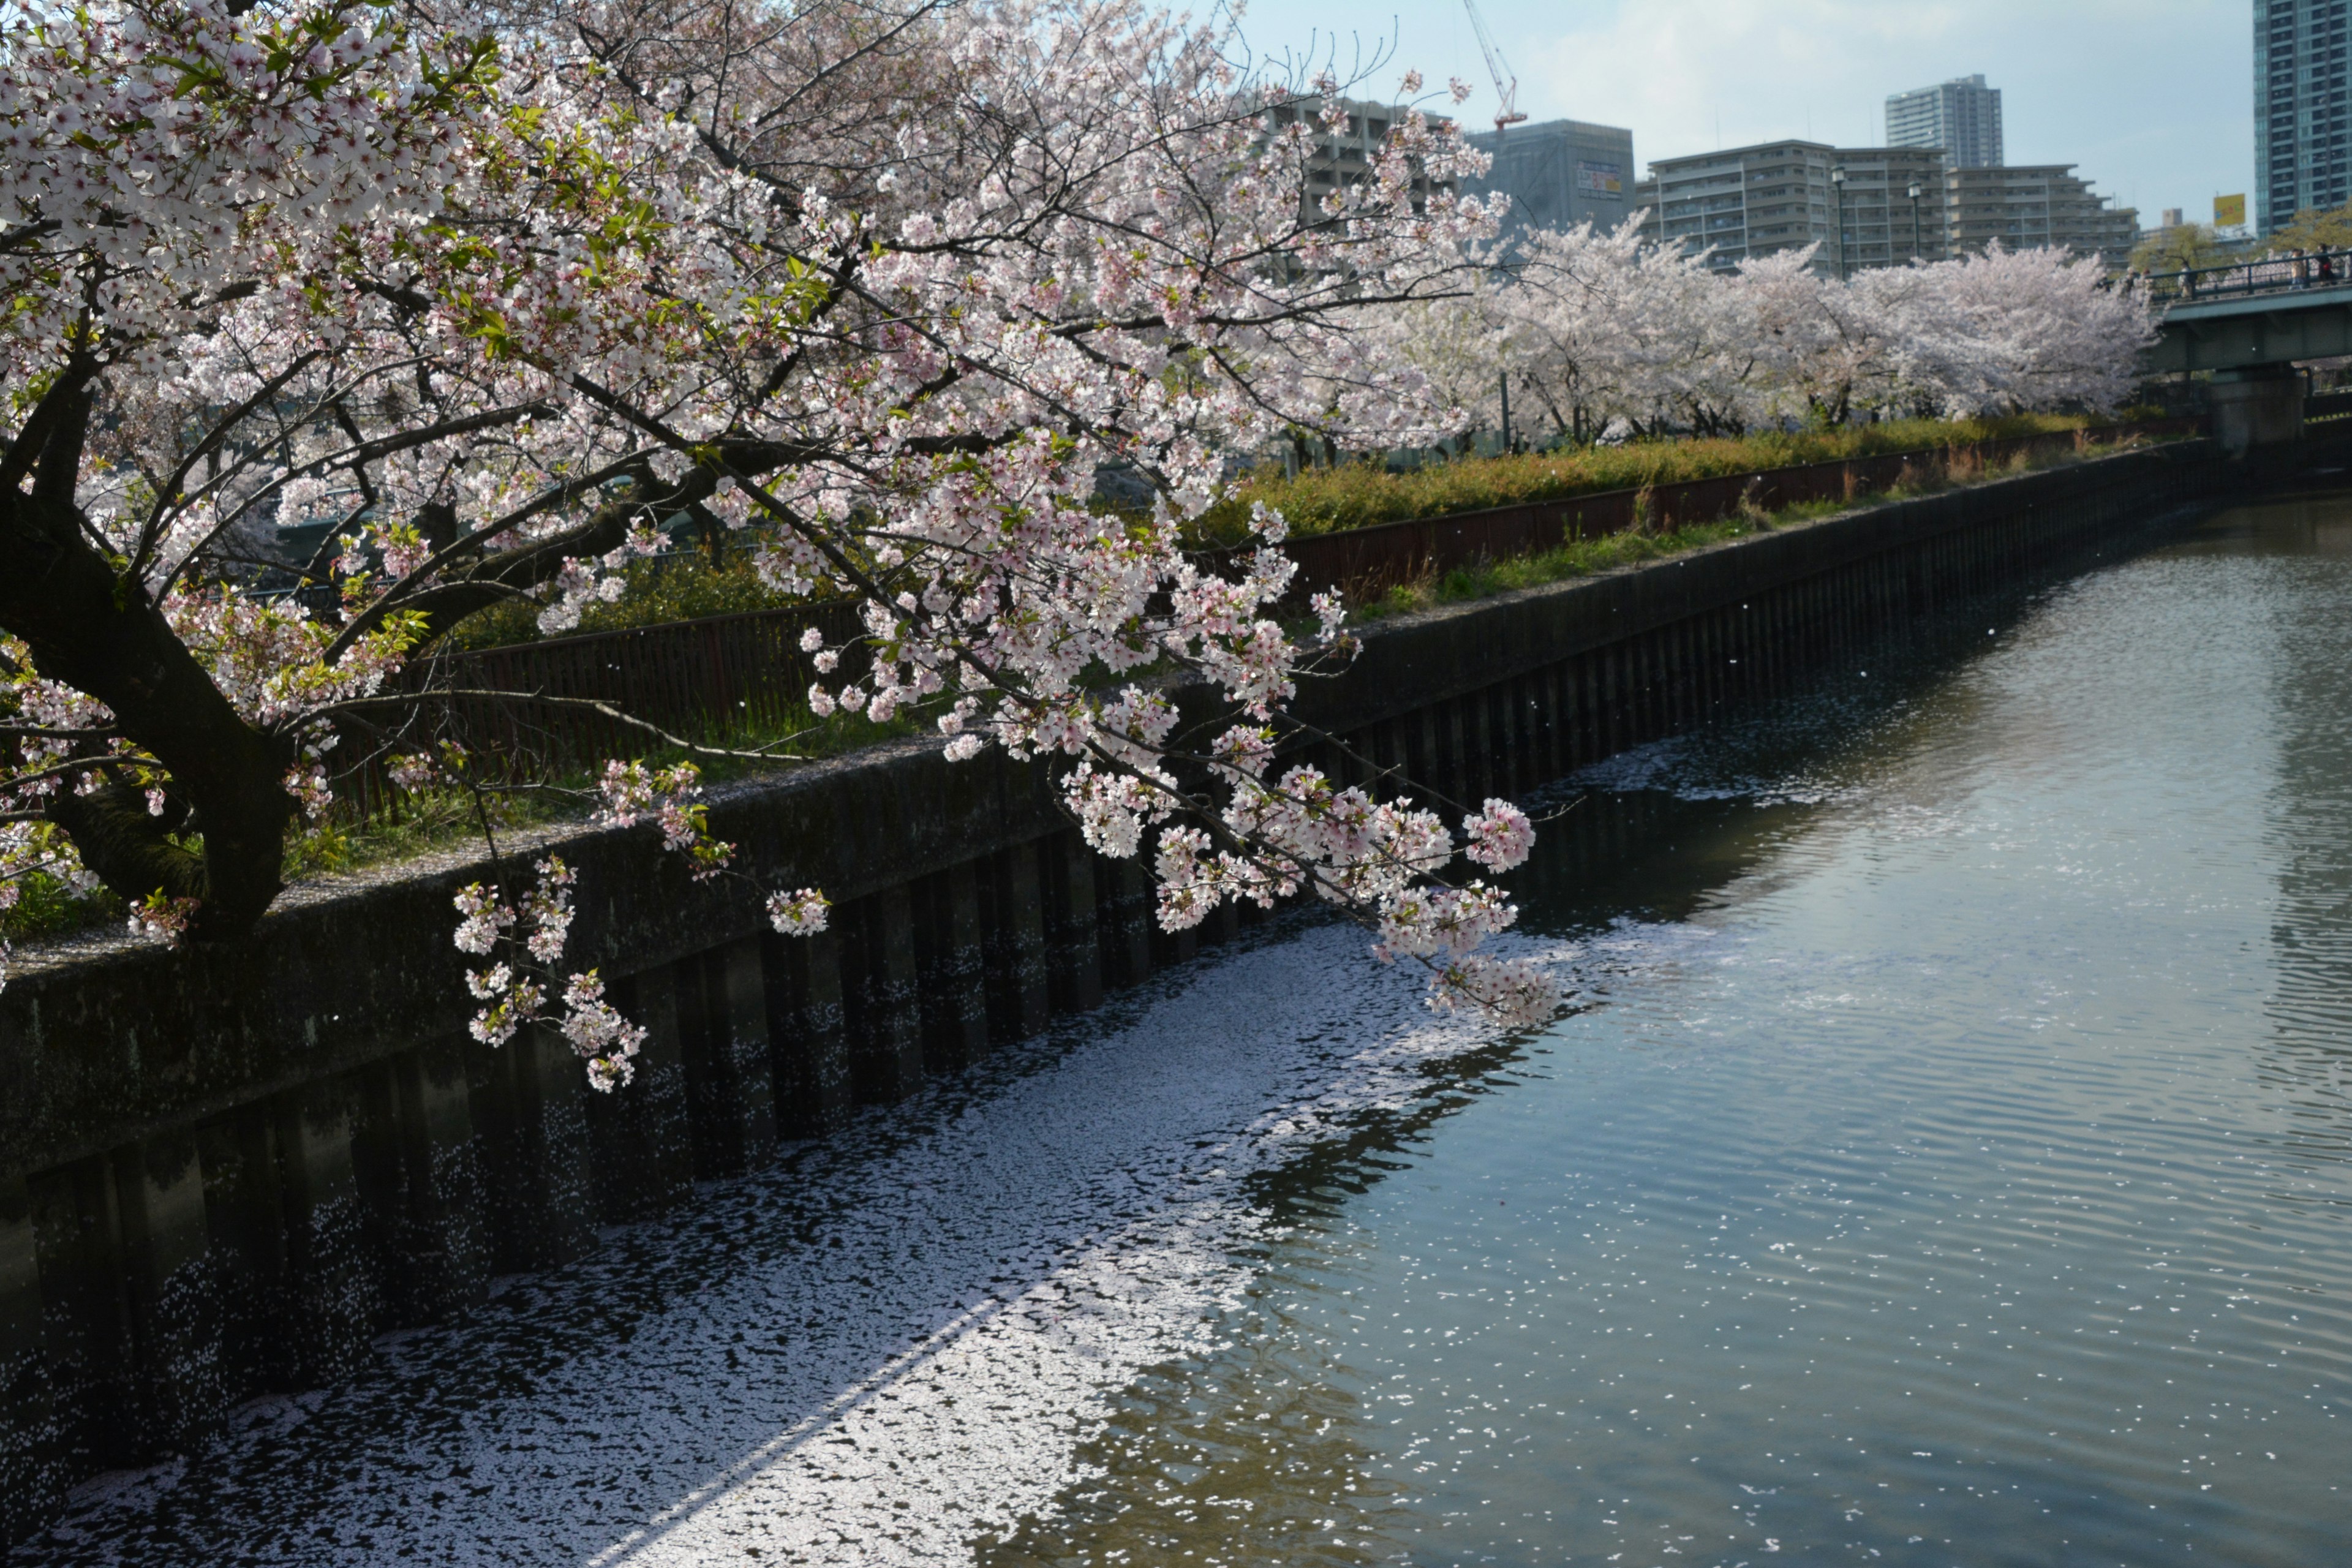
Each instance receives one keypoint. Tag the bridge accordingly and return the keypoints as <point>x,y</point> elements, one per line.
<point>2247,324</point>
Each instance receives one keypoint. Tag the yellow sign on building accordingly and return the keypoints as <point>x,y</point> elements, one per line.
<point>2229,212</point>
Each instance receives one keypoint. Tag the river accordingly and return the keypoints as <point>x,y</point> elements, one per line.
<point>1943,1161</point>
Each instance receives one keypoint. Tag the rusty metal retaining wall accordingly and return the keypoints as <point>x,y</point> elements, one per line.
<point>226,1172</point>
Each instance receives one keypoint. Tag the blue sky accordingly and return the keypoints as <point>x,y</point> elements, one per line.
<point>2153,98</point>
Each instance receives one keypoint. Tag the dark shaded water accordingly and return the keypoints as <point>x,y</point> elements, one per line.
<point>1947,1163</point>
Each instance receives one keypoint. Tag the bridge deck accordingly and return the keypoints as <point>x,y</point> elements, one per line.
<point>2272,326</point>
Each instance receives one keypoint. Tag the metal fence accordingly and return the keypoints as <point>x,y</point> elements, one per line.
<point>2264,275</point>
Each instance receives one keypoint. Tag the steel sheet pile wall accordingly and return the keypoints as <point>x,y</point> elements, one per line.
<point>224,1174</point>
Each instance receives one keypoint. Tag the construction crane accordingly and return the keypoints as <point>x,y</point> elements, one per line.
<point>1507,113</point>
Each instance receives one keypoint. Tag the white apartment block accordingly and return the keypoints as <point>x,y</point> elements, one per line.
<point>1893,207</point>
<point>1746,202</point>
<point>1857,204</point>
<point>1854,203</point>
<point>1344,156</point>
<point>2036,206</point>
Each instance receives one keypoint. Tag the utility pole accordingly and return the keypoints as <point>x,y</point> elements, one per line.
<point>1837,184</point>
<point>1506,86</point>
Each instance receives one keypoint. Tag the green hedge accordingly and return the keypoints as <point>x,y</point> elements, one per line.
<point>1357,495</point>
<point>687,587</point>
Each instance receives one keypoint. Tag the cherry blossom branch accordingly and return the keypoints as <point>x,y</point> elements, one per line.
<point>167,493</point>
<point>443,694</point>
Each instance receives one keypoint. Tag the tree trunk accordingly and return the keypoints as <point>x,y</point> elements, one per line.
<point>100,634</point>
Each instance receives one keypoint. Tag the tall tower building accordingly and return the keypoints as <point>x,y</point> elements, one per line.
<point>1961,116</point>
<point>2301,98</point>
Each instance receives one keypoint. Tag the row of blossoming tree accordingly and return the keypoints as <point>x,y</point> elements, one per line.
<point>1598,333</point>
<point>501,291</point>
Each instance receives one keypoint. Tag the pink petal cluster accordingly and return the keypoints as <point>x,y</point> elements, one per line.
<point>514,990</point>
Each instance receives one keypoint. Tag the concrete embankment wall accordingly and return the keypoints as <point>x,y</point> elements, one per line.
<point>222,1173</point>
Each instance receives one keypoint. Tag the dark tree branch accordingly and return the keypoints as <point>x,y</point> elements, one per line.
<point>167,494</point>
<point>125,846</point>
<point>68,392</point>
<point>544,699</point>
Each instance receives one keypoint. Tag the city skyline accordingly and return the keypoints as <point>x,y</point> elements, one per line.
<point>2152,99</point>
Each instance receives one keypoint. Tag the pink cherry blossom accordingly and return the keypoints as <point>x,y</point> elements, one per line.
<point>494,297</point>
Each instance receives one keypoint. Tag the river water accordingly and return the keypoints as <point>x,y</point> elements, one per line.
<point>1945,1162</point>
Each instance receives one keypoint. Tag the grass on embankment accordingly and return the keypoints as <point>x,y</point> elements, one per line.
<point>686,586</point>
<point>1589,557</point>
<point>444,817</point>
<point>1359,494</point>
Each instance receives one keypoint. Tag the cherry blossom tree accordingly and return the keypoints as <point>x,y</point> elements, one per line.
<point>1599,331</point>
<point>1824,348</point>
<point>1577,307</point>
<point>1559,313</point>
<point>2015,331</point>
<point>497,294</point>
<point>151,157</point>
<point>2004,331</point>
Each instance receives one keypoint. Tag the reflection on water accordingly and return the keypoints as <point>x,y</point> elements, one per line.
<point>2308,835</point>
<point>1947,1163</point>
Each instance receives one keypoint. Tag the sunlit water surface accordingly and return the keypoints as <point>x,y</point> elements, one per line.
<point>1945,1163</point>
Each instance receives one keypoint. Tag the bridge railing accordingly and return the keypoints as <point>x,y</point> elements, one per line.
<point>2265,275</point>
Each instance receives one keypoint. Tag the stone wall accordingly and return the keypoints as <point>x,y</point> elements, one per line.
<point>222,1173</point>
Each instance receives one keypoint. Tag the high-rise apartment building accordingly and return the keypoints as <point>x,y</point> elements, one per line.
<point>2302,95</point>
<point>1856,204</point>
<point>1559,173</point>
<point>1961,116</point>
<point>2036,207</point>
<point>1743,203</point>
<point>1343,153</point>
